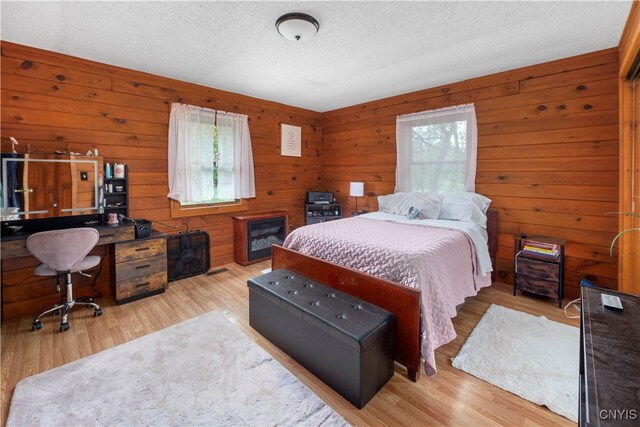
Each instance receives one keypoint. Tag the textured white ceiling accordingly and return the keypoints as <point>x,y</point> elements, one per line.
<point>364,50</point>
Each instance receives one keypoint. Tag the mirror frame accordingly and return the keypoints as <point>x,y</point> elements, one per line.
<point>98,178</point>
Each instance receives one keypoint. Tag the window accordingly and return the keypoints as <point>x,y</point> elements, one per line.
<point>210,157</point>
<point>437,150</point>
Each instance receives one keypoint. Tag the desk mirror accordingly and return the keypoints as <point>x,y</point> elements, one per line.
<point>38,186</point>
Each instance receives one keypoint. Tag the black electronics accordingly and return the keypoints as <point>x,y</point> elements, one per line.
<point>322,212</point>
<point>187,254</point>
<point>319,197</point>
<point>142,226</point>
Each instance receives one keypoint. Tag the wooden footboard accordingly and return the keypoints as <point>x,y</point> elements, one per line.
<point>404,302</point>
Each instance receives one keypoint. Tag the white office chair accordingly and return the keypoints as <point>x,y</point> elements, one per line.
<point>63,252</point>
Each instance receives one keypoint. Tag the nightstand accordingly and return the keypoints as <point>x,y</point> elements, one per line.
<point>322,212</point>
<point>539,273</point>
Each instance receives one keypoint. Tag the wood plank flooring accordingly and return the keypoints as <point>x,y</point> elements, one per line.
<point>451,398</point>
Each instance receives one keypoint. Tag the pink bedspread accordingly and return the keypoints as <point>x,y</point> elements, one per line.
<point>438,261</point>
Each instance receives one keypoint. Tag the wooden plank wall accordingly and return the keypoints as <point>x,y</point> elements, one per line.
<point>58,102</point>
<point>547,155</point>
<point>548,144</point>
<point>629,244</point>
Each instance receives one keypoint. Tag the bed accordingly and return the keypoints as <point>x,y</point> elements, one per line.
<point>393,274</point>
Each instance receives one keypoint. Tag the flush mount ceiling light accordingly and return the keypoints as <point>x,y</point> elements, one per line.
<point>297,27</point>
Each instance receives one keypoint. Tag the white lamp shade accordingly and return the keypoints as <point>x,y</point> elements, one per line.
<point>356,189</point>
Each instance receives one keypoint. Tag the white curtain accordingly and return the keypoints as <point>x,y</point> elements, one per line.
<point>192,157</point>
<point>437,150</point>
<point>235,174</point>
<point>191,154</point>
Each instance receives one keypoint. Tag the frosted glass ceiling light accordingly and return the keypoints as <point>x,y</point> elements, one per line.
<point>297,27</point>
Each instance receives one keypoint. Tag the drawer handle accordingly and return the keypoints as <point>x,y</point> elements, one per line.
<point>143,266</point>
<point>142,284</point>
<point>142,249</point>
<point>107,235</point>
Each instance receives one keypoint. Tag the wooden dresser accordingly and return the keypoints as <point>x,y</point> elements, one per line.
<point>140,267</point>
<point>609,360</point>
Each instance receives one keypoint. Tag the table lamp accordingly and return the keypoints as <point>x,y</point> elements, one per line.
<point>356,189</point>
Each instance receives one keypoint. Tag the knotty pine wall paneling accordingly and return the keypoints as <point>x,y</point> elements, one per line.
<point>547,155</point>
<point>54,102</point>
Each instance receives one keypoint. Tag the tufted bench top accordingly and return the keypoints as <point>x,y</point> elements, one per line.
<point>343,316</point>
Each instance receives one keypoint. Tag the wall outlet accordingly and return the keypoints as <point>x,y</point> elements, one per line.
<point>84,176</point>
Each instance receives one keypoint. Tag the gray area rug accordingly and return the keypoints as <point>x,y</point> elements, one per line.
<point>204,371</point>
<point>530,356</point>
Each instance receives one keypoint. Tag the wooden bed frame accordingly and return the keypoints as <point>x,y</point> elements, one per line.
<point>404,302</point>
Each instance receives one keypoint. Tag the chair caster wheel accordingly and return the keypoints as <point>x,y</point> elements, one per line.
<point>55,312</point>
<point>64,326</point>
<point>97,312</point>
<point>36,326</point>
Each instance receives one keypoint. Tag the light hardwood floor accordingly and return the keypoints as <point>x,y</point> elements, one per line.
<point>452,397</point>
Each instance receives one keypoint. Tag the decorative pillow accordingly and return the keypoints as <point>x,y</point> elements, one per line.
<point>463,206</point>
<point>413,213</point>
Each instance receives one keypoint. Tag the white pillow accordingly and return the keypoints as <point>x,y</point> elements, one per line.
<point>465,206</point>
<point>401,203</point>
<point>388,203</point>
<point>429,204</point>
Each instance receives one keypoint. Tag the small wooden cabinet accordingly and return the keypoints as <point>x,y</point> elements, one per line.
<point>315,213</point>
<point>140,268</point>
<point>537,273</point>
<point>254,234</point>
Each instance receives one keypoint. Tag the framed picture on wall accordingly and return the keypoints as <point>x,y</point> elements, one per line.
<point>290,140</point>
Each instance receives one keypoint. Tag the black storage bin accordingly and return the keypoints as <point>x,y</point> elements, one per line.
<point>344,341</point>
<point>143,228</point>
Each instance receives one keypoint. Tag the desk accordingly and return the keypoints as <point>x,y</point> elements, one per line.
<point>23,293</point>
<point>14,245</point>
<point>609,361</point>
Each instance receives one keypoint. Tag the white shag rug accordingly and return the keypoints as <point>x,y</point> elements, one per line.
<point>204,371</point>
<point>530,356</point>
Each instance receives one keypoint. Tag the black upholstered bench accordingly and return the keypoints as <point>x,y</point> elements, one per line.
<point>344,341</point>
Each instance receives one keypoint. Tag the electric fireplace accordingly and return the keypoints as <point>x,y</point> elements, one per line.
<point>262,234</point>
<point>254,235</point>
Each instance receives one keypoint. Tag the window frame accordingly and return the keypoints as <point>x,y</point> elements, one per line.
<point>191,209</point>
<point>180,211</point>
